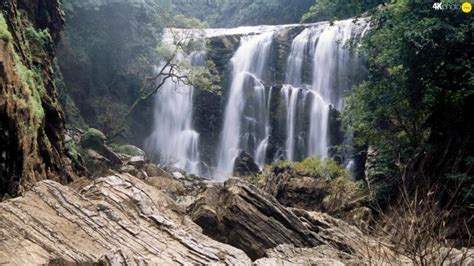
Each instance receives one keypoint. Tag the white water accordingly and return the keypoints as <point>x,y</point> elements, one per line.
<point>173,140</point>
<point>246,126</point>
<point>317,76</point>
<point>323,44</point>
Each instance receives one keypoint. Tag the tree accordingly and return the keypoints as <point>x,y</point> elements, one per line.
<point>338,9</point>
<point>175,69</point>
<point>414,107</point>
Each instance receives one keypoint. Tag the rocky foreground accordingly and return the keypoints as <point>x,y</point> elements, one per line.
<point>167,220</point>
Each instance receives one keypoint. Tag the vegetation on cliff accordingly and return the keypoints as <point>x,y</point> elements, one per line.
<point>5,35</point>
<point>414,106</point>
<point>230,13</point>
<point>31,119</point>
<point>338,9</point>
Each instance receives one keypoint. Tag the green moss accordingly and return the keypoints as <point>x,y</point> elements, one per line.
<point>33,88</point>
<point>72,150</point>
<point>93,139</point>
<point>5,34</point>
<point>126,149</point>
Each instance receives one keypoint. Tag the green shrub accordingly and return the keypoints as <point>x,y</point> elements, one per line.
<point>38,38</point>
<point>316,166</point>
<point>5,35</point>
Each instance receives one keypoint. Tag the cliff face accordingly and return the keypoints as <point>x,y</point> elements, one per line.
<point>31,119</point>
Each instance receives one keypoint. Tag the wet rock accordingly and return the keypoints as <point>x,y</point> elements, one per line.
<point>245,165</point>
<point>241,215</point>
<point>137,161</point>
<point>115,220</point>
<point>97,164</point>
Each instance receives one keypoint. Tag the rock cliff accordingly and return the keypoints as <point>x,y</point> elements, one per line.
<point>31,119</point>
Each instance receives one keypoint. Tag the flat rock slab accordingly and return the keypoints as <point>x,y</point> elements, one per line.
<point>115,220</point>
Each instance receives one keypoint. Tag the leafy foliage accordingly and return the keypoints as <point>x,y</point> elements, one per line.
<point>338,9</point>
<point>415,104</point>
<point>186,22</point>
<point>37,39</point>
<point>231,13</point>
<point>5,35</point>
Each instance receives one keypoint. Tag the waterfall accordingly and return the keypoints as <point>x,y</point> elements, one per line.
<point>319,70</point>
<point>323,44</point>
<point>173,140</point>
<point>246,120</point>
<point>330,79</point>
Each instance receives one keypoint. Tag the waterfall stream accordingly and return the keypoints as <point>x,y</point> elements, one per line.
<point>324,45</point>
<point>246,125</point>
<point>174,140</point>
<point>318,71</point>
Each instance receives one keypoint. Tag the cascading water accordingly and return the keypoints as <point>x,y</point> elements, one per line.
<point>246,121</point>
<point>318,72</point>
<point>174,140</point>
<point>331,63</point>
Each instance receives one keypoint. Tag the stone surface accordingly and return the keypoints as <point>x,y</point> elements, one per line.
<point>245,165</point>
<point>115,219</point>
<point>296,190</point>
<point>289,255</point>
<point>239,214</point>
<point>31,119</point>
<point>154,170</point>
<point>178,175</point>
<point>97,164</point>
<point>137,161</point>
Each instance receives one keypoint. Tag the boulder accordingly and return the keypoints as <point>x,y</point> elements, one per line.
<point>95,140</point>
<point>338,196</point>
<point>245,165</point>
<point>128,169</point>
<point>116,220</point>
<point>137,161</point>
<point>97,164</point>
<point>178,175</point>
<point>295,190</point>
<point>239,214</point>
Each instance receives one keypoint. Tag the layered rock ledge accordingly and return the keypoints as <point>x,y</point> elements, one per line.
<point>115,220</point>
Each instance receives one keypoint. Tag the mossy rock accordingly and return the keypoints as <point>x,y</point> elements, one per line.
<point>127,149</point>
<point>94,139</point>
<point>315,167</point>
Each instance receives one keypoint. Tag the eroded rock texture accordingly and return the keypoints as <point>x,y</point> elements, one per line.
<point>115,220</point>
<point>31,119</point>
<point>239,214</point>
